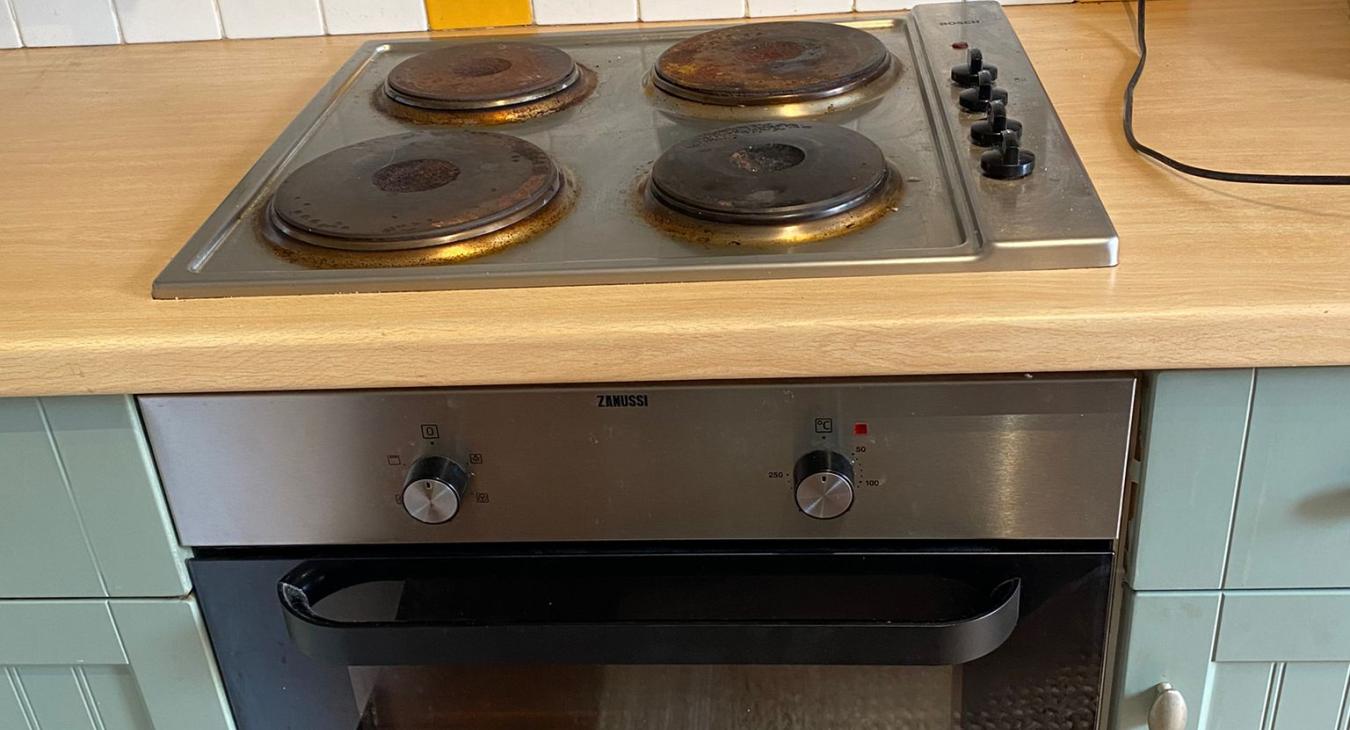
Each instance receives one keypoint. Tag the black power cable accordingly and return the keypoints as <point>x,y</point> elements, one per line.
<point>1237,177</point>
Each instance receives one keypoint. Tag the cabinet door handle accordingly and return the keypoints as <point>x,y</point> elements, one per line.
<point>1169,709</point>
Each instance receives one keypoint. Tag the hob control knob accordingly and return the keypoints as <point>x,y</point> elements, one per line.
<point>1009,161</point>
<point>977,100</point>
<point>990,132</point>
<point>824,484</point>
<point>433,490</point>
<point>968,74</point>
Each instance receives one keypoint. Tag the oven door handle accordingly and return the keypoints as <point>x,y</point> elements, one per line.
<point>957,640</point>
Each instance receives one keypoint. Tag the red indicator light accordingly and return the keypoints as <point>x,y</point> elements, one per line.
<point>859,429</point>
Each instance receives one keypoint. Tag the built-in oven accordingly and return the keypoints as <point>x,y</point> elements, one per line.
<point>923,554</point>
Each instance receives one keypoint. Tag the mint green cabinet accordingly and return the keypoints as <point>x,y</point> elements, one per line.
<point>1292,523</point>
<point>1245,481</point>
<point>107,665</point>
<point>81,511</point>
<point>105,636</point>
<point>1192,434</point>
<point>1257,660</point>
<point>1238,579</point>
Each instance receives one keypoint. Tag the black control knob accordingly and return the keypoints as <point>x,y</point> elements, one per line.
<point>824,484</point>
<point>978,99</point>
<point>968,74</point>
<point>1009,161</point>
<point>990,132</point>
<point>434,489</point>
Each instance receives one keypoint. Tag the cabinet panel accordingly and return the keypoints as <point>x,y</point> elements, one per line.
<point>83,514</point>
<point>55,697</point>
<point>41,535</point>
<point>71,698</point>
<point>1192,434</point>
<point>1310,696</point>
<point>1292,525</point>
<point>1303,626</point>
<point>1244,675</point>
<point>63,667</point>
<point>13,713</point>
<point>1167,638</point>
<point>58,632</point>
<point>167,645</point>
<point>108,464</point>
<point>1238,696</point>
<point>117,697</point>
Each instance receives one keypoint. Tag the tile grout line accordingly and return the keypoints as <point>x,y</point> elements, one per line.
<point>220,19</point>
<point>117,22</point>
<point>14,15</point>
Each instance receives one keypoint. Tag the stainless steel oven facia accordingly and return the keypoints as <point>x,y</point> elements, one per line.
<point>922,554</point>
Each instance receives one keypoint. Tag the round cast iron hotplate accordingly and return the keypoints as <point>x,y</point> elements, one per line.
<point>771,63</point>
<point>414,189</point>
<point>769,173</point>
<point>481,76</point>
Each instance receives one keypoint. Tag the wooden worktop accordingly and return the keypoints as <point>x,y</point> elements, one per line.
<point>111,157</point>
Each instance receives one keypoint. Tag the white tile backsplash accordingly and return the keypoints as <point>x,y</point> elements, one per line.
<point>762,8</point>
<point>90,22</point>
<point>374,16</point>
<point>270,18</point>
<point>690,9</point>
<point>66,22</point>
<point>864,6</point>
<point>9,29</point>
<point>563,12</point>
<point>158,21</point>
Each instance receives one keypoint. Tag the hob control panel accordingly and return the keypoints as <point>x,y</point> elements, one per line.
<point>1003,458</point>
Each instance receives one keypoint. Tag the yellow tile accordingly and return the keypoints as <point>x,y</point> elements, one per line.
<point>446,14</point>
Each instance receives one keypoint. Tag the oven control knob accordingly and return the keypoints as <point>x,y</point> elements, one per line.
<point>824,484</point>
<point>433,489</point>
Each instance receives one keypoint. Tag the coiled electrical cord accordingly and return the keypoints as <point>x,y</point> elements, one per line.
<point>1237,177</point>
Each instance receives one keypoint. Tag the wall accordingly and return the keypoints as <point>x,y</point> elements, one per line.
<point>96,22</point>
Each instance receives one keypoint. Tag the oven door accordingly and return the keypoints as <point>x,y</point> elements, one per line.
<point>780,639</point>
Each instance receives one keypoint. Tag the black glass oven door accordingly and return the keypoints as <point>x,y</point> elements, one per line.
<point>738,640</point>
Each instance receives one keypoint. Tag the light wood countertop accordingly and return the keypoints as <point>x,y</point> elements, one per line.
<point>111,157</point>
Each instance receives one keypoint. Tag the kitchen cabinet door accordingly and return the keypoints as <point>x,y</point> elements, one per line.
<point>81,511</point>
<point>1250,660</point>
<point>107,665</point>
<point>1244,481</point>
<point>1192,432</point>
<point>1291,528</point>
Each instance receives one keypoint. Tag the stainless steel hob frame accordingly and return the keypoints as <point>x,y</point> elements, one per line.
<point>950,218</point>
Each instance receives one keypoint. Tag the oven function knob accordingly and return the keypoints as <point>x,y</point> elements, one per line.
<point>1009,161</point>
<point>977,100</point>
<point>824,484</point>
<point>968,74</point>
<point>433,489</point>
<point>990,132</point>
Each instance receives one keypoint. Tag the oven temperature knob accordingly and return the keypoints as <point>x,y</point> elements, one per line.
<point>824,484</point>
<point>433,490</point>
